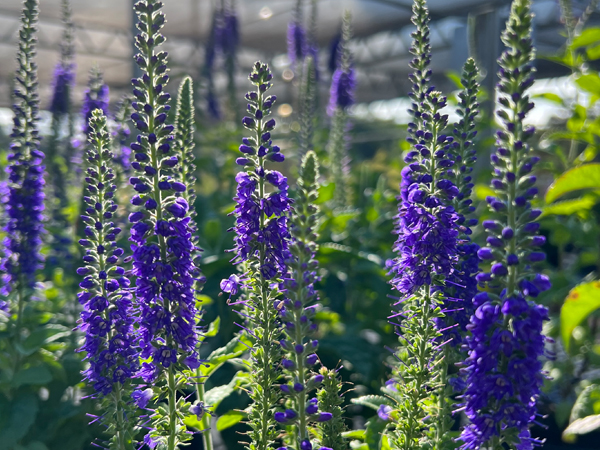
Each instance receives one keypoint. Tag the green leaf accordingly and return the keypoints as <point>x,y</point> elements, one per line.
<point>568,207</point>
<point>355,434</point>
<point>482,191</point>
<point>580,303</point>
<point>213,328</point>
<point>21,416</point>
<point>375,428</point>
<point>230,419</point>
<point>587,403</point>
<point>385,443</point>
<point>551,97</point>
<point>582,426</point>
<point>193,422</point>
<point>588,36</point>
<point>42,336</point>
<point>216,395</point>
<point>234,348</point>
<point>582,177</point>
<point>33,375</point>
<point>326,192</point>
<point>203,300</point>
<point>589,82</point>
<point>371,401</point>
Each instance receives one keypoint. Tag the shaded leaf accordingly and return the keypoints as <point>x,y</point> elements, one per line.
<point>42,336</point>
<point>21,416</point>
<point>33,375</point>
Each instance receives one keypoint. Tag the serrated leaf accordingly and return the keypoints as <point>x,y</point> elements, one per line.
<point>579,304</point>
<point>582,177</point>
<point>587,403</point>
<point>216,395</point>
<point>234,348</point>
<point>230,419</point>
<point>372,401</point>
<point>568,207</point>
<point>37,375</point>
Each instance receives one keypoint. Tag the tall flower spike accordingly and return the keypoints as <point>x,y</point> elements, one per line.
<point>427,254</point>
<point>297,310</point>
<point>297,43</point>
<point>64,72</point>
<point>330,400</point>
<point>462,285</point>
<point>341,97</point>
<point>184,143</point>
<point>24,199</point>
<point>121,133</point>
<point>59,150</point>
<point>96,97</point>
<point>504,371</point>
<point>161,233</point>
<point>261,245</point>
<point>107,318</point>
<point>308,100</point>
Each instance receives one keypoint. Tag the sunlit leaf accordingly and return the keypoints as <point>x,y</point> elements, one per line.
<point>588,36</point>
<point>589,82</point>
<point>582,177</point>
<point>569,207</point>
<point>355,434</point>
<point>371,401</point>
<point>579,304</point>
<point>230,419</point>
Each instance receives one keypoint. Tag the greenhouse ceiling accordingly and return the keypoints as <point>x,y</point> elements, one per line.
<point>380,47</point>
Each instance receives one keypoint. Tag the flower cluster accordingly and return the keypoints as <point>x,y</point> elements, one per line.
<point>261,247</point>
<point>64,72</point>
<point>261,223</point>
<point>121,134</point>
<point>297,41</point>
<point>64,77</point>
<point>24,196</point>
<point>107,319</point>
<point>223,39</point>
<point>503,368</point>
<point>427,256</point>
<point>341,97</point>
<point>298,308</point>
<point>96,97</point>
<point>461,286</point>
<point>161,229</point>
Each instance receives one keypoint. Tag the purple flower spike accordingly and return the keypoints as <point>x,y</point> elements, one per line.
<point>504,368</point>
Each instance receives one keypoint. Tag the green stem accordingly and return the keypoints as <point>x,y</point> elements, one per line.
<point>206,436</point>
<point>172,445</point>
<point>121,438</point>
